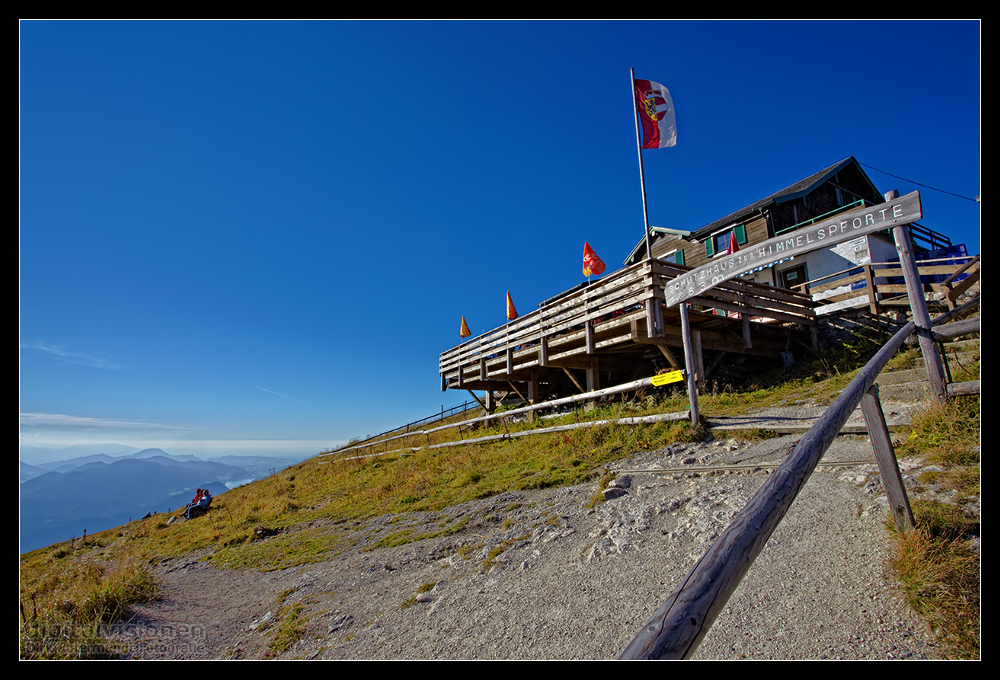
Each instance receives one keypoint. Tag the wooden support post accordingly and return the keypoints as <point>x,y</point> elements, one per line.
<point>589,326</point>
<point>593,381</point>
<point>747,341</point>
<point>510,361</point>
<point>872,293</point>
<point>689,362</point>
<point>918,305</point>
<point>532,393</point>
<point>658,315</point>
<point>491,401</point>
<point>871,408</point>
<point>482,370</point>
<point>543,352</point>
<point>699,360</point>
<point>593,376</point>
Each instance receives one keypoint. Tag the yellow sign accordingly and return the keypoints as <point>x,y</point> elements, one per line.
<point>667,378</point>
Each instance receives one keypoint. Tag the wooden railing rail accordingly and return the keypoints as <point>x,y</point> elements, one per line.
<point>523,410</point>
<point>680,624</point>
<point>876,288</point>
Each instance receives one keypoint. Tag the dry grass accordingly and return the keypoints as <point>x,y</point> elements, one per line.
<point>62,613</point>
<point>939,579</point>
<point>937,566</point>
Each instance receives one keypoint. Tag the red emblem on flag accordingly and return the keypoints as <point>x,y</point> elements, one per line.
<point>656,114</point>
<point>592,265</point>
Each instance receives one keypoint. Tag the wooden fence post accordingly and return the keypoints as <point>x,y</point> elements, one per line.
<point>918,305</point>
<point>689,362</point>
<point>871,408</point>
<point>872,293</point>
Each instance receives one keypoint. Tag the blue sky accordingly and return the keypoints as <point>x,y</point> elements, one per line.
<point>258,236</point>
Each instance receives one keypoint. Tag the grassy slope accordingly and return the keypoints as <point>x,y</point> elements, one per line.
<point>67,591</point>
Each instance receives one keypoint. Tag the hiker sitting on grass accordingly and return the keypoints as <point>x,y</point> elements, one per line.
<point>200,503</point>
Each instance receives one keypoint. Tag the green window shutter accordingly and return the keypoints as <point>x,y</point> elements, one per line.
<point>680,257</point>
<point>741,234</point>
<point>710,246</point>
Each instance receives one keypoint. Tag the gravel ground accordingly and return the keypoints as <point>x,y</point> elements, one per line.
<point>539,575</point>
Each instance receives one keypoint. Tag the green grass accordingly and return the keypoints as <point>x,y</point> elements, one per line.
<point>290,631</point>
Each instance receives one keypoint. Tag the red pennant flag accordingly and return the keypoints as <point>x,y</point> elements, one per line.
<point>656,114</point>
<point>592,265</point>
<point>733,245</point>
<point>511,312</point>
<point>464,330</point>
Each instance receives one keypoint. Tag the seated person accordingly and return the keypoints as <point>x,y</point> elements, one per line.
<point>200,503</point>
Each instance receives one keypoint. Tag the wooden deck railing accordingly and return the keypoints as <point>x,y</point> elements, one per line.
<point>880,284</point>
<point>623,307</point>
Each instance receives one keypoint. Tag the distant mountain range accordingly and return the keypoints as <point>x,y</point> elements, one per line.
<point>61,499</point>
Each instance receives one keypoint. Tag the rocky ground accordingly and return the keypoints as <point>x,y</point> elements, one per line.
<point>540,575</point>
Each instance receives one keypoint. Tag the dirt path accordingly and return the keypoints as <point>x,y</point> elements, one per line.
<point>538,575</point>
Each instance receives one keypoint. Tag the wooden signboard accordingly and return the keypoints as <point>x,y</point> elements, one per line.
<point>845,227</point>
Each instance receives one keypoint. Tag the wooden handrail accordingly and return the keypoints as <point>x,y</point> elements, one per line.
<point>680,624</point>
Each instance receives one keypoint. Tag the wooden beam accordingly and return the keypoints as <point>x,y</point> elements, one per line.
<point>699,359</point>
<point>885,455</point>
<point>665,351</point>
<point>593,375</point>
<point>715,363</point>
<point>575,381</point>
<point>677,628</point>
<point>689,362</point>
<point>480,401</point>
<point>872,293</point>
<point>921,317</point>
<point>517,391</point>
<point>532,394</point>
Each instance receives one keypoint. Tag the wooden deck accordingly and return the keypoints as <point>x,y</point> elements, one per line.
<point>617,329</point>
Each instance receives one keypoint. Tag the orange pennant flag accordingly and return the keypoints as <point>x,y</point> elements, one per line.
<point>592,265</point>
<point>511,312</point>
<point>464,330</point>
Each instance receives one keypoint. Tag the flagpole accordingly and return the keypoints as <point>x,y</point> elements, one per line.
<point>642,174</point>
